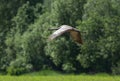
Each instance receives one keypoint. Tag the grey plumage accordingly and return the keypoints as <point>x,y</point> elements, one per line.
<point>75,34</point>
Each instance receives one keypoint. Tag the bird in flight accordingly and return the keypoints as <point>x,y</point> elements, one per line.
<point>74,33</point>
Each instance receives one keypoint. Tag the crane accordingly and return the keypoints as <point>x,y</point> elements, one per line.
<point>73,32</point>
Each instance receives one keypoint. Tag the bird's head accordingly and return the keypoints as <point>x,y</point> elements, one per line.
<point>54,28</point>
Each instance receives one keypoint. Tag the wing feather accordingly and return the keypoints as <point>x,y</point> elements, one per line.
<point>63,29</point>
<point>76,36</point>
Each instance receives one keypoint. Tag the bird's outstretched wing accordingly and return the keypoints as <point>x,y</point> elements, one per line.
<point>76,36</point>
<point>60,31</point>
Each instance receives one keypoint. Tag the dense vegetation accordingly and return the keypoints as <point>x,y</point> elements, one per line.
<point>57,77</point>
<point>24,31</point>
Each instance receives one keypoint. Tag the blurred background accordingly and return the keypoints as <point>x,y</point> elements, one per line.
<point>24,32</point>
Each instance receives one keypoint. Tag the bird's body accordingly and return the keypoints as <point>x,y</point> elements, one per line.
<point>75,34</point>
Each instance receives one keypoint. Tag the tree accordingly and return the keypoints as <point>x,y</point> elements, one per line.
<point>7,11</point>
<point>63,51</point>
<point>17,39</point>
<point>101,23</point>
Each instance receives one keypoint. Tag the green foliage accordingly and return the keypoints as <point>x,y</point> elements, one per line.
<point>73,11</point>
<point>63,51</point>
<point>19,39</point>
<point>61,78</point>
<point>116,68</point>
<point>68,67</point>
<point>63,56</point>
<point>24,32</point>
<point>18,67</point>
<point>7,11</point>
<point>101,23</point>
<point>43,72</point>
